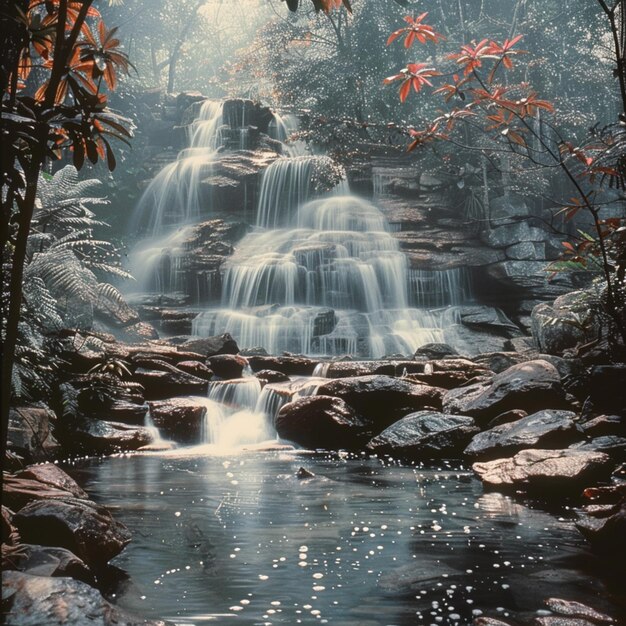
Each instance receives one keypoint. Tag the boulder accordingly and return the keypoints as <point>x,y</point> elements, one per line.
<point>270,376</point>
<point>179,419</point>
<point>545,470</point>
<point>38,560</point>
<point>382,400</point>
<point>388,367</point>
<point>435,351</point>
<point>159,384</point>
<point>195,368</point>
<point>607,388</point>
<point>31,433</point>
<point>571,608</point>
<point>321,422</point>
<point>80,526</point>
<point>544,429</point>
<point>507,417</point>
<point>450,373</point>
<point>290,365</point>
<point>425,435</point>
<point>227,366</point>
<point>37,600</point>
<point>210,346</point>
<point>125,411</point>
<point>530,386</point>
<point>605,425</point>
<point>606,529</point>
<point>610,444</point>
<point>94,436</point>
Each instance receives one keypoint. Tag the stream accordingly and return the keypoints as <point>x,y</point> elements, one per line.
<point>236,537</point>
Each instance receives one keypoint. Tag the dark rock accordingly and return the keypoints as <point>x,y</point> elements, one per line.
<point>80,526</point>
<point>499,361</point>
<point>210,346</point>
<point>141,331</point>
<point>425,435</point>
<point>94,436</point>
<point>435,351</point>
<point>38,600</point>
<point>529,386</point>
<point>31,433</point>
<point>570,608</point>
<point>605,425</point>
<point>227,366</point>
<point>10,535</point>
<point>179,419</point>
<point>38,560</point>
<point>545,429</point>
<point>607,532</point>
<point>290,365</point>
<point>450,373</point>
<point>270,376</point>
<point>159,384</point>
<point>320,422</point>
<point>304,474</point>
<point>199,370</point>
<point>545,470</point>
<point>610,444</point>
<point>507,417</point>
<point>382,400</point>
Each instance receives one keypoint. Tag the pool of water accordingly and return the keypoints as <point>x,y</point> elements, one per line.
<point>239,539</point>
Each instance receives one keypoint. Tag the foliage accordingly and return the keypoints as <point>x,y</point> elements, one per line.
<point>481,100</point>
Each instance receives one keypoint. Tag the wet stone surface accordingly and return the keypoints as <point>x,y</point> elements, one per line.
<point>240,539</point>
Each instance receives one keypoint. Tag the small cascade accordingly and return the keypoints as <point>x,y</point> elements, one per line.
<point>282,128</point>
<point>148,423</point>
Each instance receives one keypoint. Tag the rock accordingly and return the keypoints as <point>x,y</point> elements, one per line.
<point>382,400</point>
<point>507,417</point>
<point>39,482</point>
<point>435,351</point>
<point>570,321</point>
<point>38,560</point>
<point>507,234</point>
<point>94,436</point>
<point>160,384</point>
<point>270,376</point>
<point>607,532</point>
<point>529,386</point>
<point>425,435</point>
<point>31,433</point>
<point>227,366</point>
<point>304,474</point>
<point>179,419</point>
<point>37,600</point>
<point>545,470</point>
<point>450,373</point>
<point>610,444</point>
<point>10,536</point>
<point>290,365</point>
<point>199,370</point>
<point>605,425</point>
<point>545,429</point>
<point>320,422</point>
<point>210,346</point>
<point>499,361</point>
<point>80,526</point>
<point>571,608</point>
<point>141,331</point>
<point>125,411</point>
<point>388,367</point>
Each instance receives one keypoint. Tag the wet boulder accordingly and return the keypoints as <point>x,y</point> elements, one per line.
<point>575,611</point>
<point>290,365</point>
<point>425,435</point>
<point>530,386</point>
<point>605,425</point>
<point>610,444</point>
<point>31,433</point>
<point>450,373</point>
<point>195,368</point>
<point>37,560</point>
<point>435,351</point>
<point>179,419</point>
<point>382,400</point>
<point>605,528</point>
<point>321,422</point>
<point>210,346</point>
<point>544,429</point>
<point>169,382</point>
<point>227,366</point>
<point>125,411</point>
<point>270,376</point>
<point>81,526</point>
<point>93,436</point>
<point>545,471</point>
<point>37,600</point>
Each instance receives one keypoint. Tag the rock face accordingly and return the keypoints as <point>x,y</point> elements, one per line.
<point>529,386</point>
<point>49,561</point>
<point>382,400</point>
<point>320,422</point>
<point>545,470</point>
<point>179,419</point>
<point>270,376</point>
<point>289,365</point>
<point>80,526</point>
<point>166,383</point>
<point>227,366</point>
<point>31,433</point>
<point>37,600</point>
<point>545,429</point>
<point>94,436</point>
<point>425,435</point>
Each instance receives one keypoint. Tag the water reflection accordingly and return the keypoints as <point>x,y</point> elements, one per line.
<point>240,539</point>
